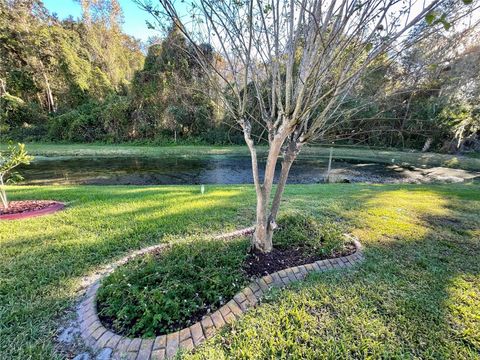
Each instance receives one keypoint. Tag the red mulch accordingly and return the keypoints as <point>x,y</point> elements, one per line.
<point>18,207</point>
<point>258,264</point>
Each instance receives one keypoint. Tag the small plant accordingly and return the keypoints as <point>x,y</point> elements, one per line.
<point>161,293</point>
<point>15,155</point>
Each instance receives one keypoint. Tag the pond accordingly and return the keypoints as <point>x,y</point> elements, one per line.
<point>211,169</point>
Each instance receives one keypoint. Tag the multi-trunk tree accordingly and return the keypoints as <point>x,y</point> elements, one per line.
<point>298,60</point>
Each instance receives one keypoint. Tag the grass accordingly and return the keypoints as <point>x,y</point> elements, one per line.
<point>312,237</point>
<point>357,153</point>
<point>416,295</point>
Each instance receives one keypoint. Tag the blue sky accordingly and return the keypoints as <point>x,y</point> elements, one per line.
<point>134,17</point>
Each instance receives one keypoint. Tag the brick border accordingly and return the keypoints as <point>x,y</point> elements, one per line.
<point>162,347</point>
<point>57,206</point>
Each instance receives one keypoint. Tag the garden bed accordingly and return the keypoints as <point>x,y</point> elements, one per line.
<point>172,288</point>
<point>258,264</point>
<point>29,208</point>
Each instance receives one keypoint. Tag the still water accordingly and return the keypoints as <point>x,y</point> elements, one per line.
<point>176,170</point>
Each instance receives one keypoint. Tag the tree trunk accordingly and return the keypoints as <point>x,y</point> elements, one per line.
<point>262,237</point>
<point>266,215</point>
<point>3,194</point>
<point>3,87</point>
<point>427,144</point>
<point>290,156</point>
<point>50,100</point>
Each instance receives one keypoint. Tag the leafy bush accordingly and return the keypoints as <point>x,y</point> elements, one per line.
<point>58,127</point>
<point>15,113</point>
<point>297,229</point>
<point>223,135</point>
<point>156,294</point>
<point>85,128</point>
<point>12,109</point>
<point>80,125</point>
<point>26,133</point>
<point>15,155</point>
<point>463,121</point>
<point>165,292</point>
<point>116,118</point>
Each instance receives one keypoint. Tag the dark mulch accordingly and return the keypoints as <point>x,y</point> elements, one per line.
<point>258,264</point>
<point>18,207</point>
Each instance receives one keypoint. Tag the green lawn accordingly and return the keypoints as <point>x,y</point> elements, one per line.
<point>417,295</point>
<point>415,158</point>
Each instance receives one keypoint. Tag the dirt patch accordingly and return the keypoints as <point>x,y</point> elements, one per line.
<point>29,208</point>
<point>19,207</point>
<point>258,264</point>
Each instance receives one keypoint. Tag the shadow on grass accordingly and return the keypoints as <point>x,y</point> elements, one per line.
<point>404,301</point>
<point>43,258</point>
<point>416,295</point>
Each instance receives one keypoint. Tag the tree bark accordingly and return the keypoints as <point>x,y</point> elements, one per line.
<point>3,87</point>
<point>427,144</point>
<point>290,156</point>
<point>50,101</point>
<point>262,237</point>
<point>3,194</point>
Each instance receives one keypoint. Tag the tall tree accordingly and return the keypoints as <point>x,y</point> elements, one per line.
<point>167,93</point>
<point>53,63</point>
<point>103,21</point>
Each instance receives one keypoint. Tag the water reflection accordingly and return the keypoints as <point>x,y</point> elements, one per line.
<point>173,170</point>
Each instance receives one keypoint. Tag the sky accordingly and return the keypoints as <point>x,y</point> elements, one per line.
<point>134,17</point>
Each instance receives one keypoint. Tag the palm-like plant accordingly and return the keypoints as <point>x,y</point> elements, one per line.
<point>15,155</point>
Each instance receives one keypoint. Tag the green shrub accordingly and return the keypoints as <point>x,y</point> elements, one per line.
<point>297,229</point>
<point>165,292</point>
<point>59,126</point>
<point>12,110</point>
<point>158,294</point>
<point>26,133</point>
<point>14,156</point>
<point>85,128</point>
<point>116,118</point>
<point>222,135</point>
<point>15,113</point>
<point>80,125</point>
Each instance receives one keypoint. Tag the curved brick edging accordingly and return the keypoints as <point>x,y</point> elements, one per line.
<point>28,214</point>
<point>166,346</point>
<point>236,233</point>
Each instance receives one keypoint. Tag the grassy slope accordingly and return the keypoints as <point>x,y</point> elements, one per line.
<point>417,295</point>
<point>356,153</point>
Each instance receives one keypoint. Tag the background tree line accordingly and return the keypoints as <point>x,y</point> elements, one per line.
<point>85,80</point>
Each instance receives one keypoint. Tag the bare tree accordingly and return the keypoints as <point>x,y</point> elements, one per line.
<point>298,60</point>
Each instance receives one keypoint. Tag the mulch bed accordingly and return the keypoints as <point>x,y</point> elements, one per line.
<point>19,207</point>
<point>258,264</point>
